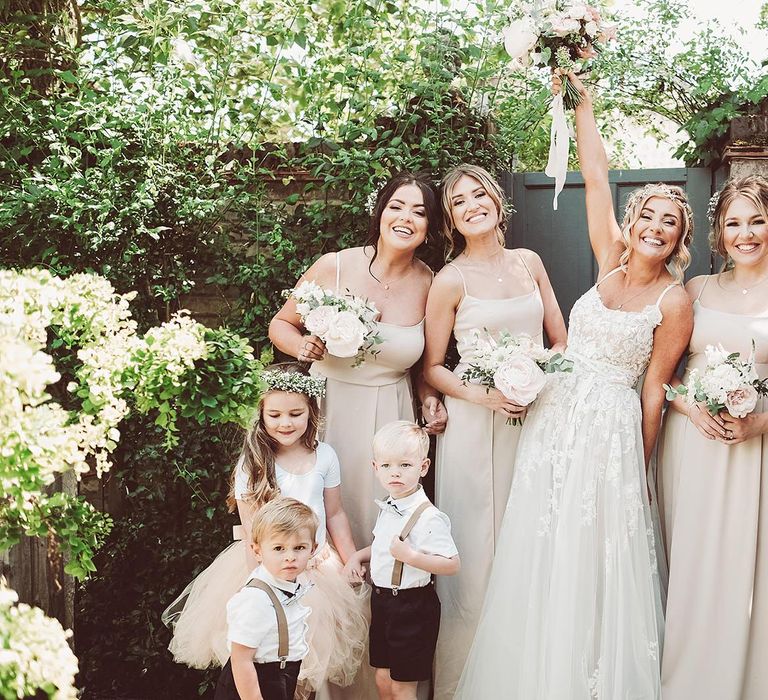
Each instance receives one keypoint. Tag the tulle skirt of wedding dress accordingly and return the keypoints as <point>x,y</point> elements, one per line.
<point>573,609</point>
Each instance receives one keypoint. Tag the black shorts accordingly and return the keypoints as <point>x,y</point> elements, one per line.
<point>275,683</point>
<point>403,633</point>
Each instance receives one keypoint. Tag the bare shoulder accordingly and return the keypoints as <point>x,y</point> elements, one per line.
<point>532,260</point>
<point>696,284</point>
<point>323,269</point>
<point>424,271</point>
<point>447,285</point>
<point>676,305</point>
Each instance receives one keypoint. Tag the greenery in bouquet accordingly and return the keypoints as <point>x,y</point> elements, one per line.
<point>559,35</point>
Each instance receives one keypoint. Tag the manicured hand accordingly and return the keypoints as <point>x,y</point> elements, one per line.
<point>310,348</point>
<point>401,550</point>
<point>496,401</point>
<point>434,414</point>
<point>711,427</point>
<point>741,429</point>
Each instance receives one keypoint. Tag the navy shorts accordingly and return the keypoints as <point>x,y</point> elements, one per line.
<point>403,633</point>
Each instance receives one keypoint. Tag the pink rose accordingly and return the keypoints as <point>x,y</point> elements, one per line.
<point>563,26</point>
<point>319,320</point>
<point>740,402</point>
<point>519,379</point>
<point>519,39</point>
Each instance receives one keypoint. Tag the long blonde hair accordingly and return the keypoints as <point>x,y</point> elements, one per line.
<point>494,192</point>
<point>680,258</point>
<point>257,456</point>
<point>753,188</point>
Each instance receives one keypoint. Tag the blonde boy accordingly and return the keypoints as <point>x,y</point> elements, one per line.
<point>260,668</point>
<point>411,541</point>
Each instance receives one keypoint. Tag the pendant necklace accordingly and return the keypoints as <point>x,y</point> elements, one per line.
<point>745,290</point>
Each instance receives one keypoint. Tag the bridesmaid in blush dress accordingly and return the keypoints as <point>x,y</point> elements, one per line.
<point>713,478</point>
<point>485,287</point>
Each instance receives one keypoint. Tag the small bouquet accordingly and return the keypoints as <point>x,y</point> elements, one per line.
<point>562,36</point>
<point>513,364</point>
<point>727,382</point>
<point>345,323</point>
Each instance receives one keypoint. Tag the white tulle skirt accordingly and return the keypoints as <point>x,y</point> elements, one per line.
<point>338,624</point>
<point>573,609</point>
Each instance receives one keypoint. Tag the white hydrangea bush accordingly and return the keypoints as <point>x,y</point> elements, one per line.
<point>34,652</point>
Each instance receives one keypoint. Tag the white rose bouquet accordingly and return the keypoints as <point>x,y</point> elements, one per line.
<point>563,36</point>
<point>726,383</point>
<point>345,323</point>
<point>513,364</point>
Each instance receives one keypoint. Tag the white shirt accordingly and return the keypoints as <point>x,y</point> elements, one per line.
<point>307,488</point>
<point>252,622</point>
<point>430,535</point>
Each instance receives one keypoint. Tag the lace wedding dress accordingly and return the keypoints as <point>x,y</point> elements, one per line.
<point>573,609</point>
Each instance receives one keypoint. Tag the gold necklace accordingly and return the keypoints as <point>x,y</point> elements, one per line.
<point>497,272</point>
<point>744,290</point>
<point>634,296</point>
<point>387,285</point>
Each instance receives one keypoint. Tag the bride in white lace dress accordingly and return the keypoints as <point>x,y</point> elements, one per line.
<point>573,609</point>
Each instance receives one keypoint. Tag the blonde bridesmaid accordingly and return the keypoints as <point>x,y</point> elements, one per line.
<point>713,478</point>
<point>485,287</point>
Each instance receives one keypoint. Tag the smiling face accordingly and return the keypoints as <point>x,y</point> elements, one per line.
<point>285,555</point>
<point>404,223</point>
<point>285,416</point>
<point>745,233</point>
<point>473,210</point>
<point>657,231</point>
<point>400,471</point>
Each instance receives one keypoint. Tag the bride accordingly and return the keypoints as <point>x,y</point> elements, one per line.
<point>573,609</point>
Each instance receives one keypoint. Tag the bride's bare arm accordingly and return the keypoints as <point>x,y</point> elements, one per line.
<point>604,232</point>
<point>670,340</point>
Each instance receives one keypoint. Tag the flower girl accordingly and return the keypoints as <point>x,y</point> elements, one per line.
<point>282,456</point>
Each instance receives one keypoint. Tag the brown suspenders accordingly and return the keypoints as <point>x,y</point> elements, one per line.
<point>282,621</point>
<point>397,569</point>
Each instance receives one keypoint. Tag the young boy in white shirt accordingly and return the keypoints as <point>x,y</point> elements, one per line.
<point>411,541</point>
<point>266,622</point>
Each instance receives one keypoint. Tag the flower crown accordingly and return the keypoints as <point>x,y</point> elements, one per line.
<point>298,383</point>
<point>662,190</point>
<point>714,200</point>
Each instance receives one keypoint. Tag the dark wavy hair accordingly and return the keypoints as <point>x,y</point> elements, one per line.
<point>431,205</point>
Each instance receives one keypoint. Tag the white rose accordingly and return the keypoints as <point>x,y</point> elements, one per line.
<point>319,320</point>
<point>519,379</point>
<point>345,335</point>
<point>519,39</point>
<point>302,308</point>
<point>579,12</point>
<point>716,355</point>
<point>591,29</point>
<point>741,401</point>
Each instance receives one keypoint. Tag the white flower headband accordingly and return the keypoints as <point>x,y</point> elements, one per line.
<point>662,190</point>
<point>296,382</point>
<point>714,200</point>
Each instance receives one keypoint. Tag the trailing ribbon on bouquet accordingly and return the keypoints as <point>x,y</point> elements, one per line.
<point>563,36</point>
<point>559,140</point>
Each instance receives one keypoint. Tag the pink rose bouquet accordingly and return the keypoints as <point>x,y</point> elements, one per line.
<point>726,383</point>
<point>514,364</point>
<point>344,322</point>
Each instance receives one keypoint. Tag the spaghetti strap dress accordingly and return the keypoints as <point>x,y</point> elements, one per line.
<point>714,506</point>
<point>473,474</point>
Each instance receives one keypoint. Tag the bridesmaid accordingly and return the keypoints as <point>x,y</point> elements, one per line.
<point>713,478</point>
<point>359,400</point>
<point>485,287</point>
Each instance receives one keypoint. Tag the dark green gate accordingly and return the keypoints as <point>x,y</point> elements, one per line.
<point>560,237</point>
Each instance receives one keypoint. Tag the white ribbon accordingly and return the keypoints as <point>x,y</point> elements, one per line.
<point>559,139</point>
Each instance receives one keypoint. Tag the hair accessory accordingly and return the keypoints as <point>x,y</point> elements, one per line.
<point>373,195</point>
<point>714,200</point>
<point>296,382</point>
<point>661,190</point>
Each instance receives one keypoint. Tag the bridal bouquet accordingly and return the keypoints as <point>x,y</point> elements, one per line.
<point>564,36</point>
<point>513,364</point>
<point>727,382</point>
<point>345,323</point>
